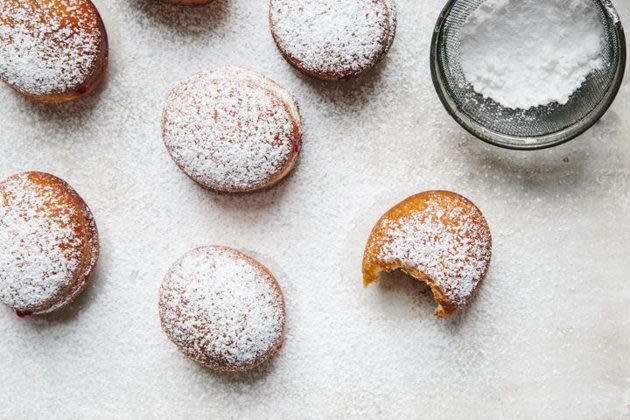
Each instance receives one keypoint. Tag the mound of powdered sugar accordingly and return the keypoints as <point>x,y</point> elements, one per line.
<point>526,53</point>
<point>47,47</point>
<point>231,129</point>
<point>455,255</point>
<point>38,243</point>
<point>219,307</point>
<point>334,37</point>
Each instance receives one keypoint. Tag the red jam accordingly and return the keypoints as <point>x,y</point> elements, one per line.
<point>23,314</point>
<point>280,344</point>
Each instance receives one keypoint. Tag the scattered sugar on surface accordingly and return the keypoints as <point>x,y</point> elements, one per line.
<point>549,323</point>
<point>41,51</point>
<point>454,255</point>
<point>218,307</point>
<point>331,36</point>
<point>38,244</point>
<point>228,129</point>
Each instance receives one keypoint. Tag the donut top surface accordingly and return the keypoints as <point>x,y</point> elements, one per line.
<point>440,234</point>
<point>44,229</point>
<point>333,39</point>
<point>231,129</point>
<point>222,308</point>
<point>48,46</point>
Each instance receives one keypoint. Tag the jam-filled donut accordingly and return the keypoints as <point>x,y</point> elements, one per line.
<point>48,243</point>
<point>438,237</point>
<point>232,130</point>
<point>222,309</point>
<point>52,50</point>
<point>332,39</point>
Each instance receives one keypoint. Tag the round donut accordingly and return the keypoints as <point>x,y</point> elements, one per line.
<point>232,130</point>
<point>222,309</point>
<point>48,243</point>
<point>438,237</point>
<point>52,51</point>
<point>332,39</point>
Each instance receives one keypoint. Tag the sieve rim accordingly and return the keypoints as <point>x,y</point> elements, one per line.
<point>513,142</point>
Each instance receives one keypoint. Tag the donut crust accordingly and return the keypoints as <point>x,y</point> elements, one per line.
<point>254,80</point>
<point>337,75</point>
<point>84,227</point>
<point>374,263</point>
<point>216,364</point>
<point>98,68</point>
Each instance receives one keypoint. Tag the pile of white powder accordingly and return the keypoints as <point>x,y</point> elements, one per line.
<point>526,53</point>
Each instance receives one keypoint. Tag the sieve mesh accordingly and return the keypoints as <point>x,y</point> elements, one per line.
<point>537,127</point>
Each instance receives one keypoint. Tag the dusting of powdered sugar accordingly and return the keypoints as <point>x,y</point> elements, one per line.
<point>48,47</point>
<point>454,255</point>
<point>231,129</point>
<point>337,39</point>
<point>527,53</point>
<point>38,244</point>
<point>222,309</point>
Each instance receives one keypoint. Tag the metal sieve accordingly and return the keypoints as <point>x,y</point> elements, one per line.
<point>534,128</point>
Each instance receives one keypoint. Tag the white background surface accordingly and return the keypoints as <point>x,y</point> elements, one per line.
<point>547,337</point>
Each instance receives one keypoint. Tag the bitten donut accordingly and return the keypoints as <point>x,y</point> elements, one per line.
<point>222,309</point>
<point>332,39</point>
<point>438,237</point>
<point>52,50</point>
<point>232,130</point>
<point>48,243</point>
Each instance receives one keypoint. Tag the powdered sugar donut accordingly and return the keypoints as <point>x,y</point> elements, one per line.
<point>48,243</point>
<point>332,39</point>
<point>52,50</point>
<point>440,238</point>
<point>222,309</point>
<point>232,130</point>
